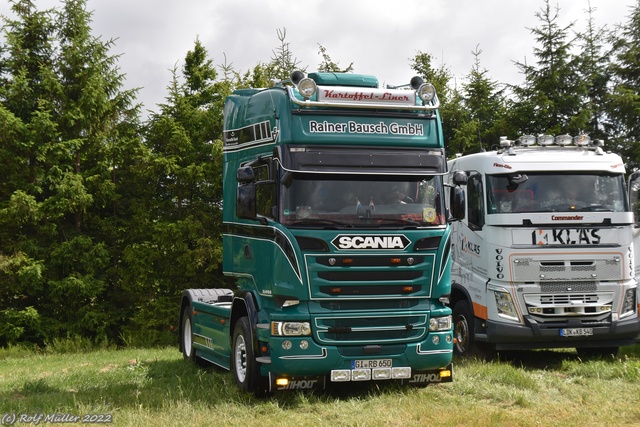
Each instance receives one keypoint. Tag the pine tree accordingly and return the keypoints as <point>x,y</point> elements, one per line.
<point>64,111</point>
<point>484,102</point>
<point>551,98</point>
<point>183,246</point>
<point>624,101</point>
<point>592,68</point>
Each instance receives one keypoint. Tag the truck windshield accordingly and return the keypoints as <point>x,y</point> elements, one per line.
<point>546,192</point>
<point>334,201</point>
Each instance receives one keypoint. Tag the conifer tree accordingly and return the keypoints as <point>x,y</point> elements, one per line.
<point>624,100</point>
<point>551,98</point>
<point>63,109</point>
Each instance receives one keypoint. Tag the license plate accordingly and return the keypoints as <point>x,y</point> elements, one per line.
<point>576,332</point>
<point>371,363</point>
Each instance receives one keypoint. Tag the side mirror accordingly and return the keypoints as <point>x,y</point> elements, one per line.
<point>634,202</point>
<point>458,204</point>
<point>246,193</point>
<point>246,201</point>
<point>245,175</point>
<point>460,178</point>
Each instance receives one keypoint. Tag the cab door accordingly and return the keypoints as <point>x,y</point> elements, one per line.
<point>634,205</point>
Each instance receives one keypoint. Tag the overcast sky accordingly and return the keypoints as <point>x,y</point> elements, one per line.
<point>379,37</point>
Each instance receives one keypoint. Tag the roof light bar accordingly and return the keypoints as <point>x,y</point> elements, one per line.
<point>581,140</point>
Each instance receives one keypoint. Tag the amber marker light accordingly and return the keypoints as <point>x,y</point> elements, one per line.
<point>407,289</point>
<point>347,261</point>
<point>396,261</point>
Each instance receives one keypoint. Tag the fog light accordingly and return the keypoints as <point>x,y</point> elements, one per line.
<point>341,375</point>
<point>282,382</point>
<point>360,374</point>
<point>381,373</point>
<point>436,339</point>
<point>304,344</point>
<point>398,373</point>
<point>449,339</point>
<point>286,344</point>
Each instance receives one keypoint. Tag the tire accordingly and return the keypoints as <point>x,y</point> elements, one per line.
<point>597,352</point>
<point>243,361</point>
<point>463,329</point>
<point>186,335</point>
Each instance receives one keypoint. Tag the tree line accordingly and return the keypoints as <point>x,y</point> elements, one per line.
<point>105,217</point>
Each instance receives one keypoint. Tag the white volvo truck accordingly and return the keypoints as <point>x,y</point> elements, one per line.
<point>544,257</point>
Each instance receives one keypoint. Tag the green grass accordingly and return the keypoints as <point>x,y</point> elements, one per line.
<point>142,387</point>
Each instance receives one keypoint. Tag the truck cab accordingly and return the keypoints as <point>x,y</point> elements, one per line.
<point>545,256</point>
<point>337,235</point>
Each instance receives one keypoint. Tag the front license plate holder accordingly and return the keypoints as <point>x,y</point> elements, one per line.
<point>576,332</point>
<point>371,363</point>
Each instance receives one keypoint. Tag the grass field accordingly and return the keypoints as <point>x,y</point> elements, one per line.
<point>155,387</point>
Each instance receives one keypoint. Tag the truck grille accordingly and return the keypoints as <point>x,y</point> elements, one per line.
<point>370,329</point>
<point>568,305</point>
<point>527,269</point>
<point>370,276</point>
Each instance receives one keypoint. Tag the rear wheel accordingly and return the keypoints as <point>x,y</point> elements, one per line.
<point>243,360</point>
<point>463,329</point>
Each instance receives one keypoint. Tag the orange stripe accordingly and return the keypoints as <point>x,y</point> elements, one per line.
<point>480,311</point>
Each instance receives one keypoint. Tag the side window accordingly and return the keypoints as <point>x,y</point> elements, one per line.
<point>475,201</point>
<point>265,190</point>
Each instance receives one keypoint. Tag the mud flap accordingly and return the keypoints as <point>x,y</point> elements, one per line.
<point>423,378</point>
<point>297,382</point>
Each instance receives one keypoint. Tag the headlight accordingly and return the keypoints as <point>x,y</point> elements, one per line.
<point>440,323</point>
<point>629,303</point>
<point>290,328</point>
<point>307,87</point>
<point>505,305</point>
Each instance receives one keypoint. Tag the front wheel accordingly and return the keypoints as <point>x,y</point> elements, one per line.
<point>463,328</point>
<point>243,360</point>
<point>597,352</point>
<point>186,335</point>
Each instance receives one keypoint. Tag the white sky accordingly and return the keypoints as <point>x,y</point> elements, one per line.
<point>379,37</point>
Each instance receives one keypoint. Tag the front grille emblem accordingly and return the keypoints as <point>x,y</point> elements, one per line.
<point>332,261</point>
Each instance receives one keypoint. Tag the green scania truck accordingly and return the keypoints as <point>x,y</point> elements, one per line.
<point>337,235</point>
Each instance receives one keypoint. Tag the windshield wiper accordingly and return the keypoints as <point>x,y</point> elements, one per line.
<point>595,208</point>
<point>395,220</point>
<point>321,222</point>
